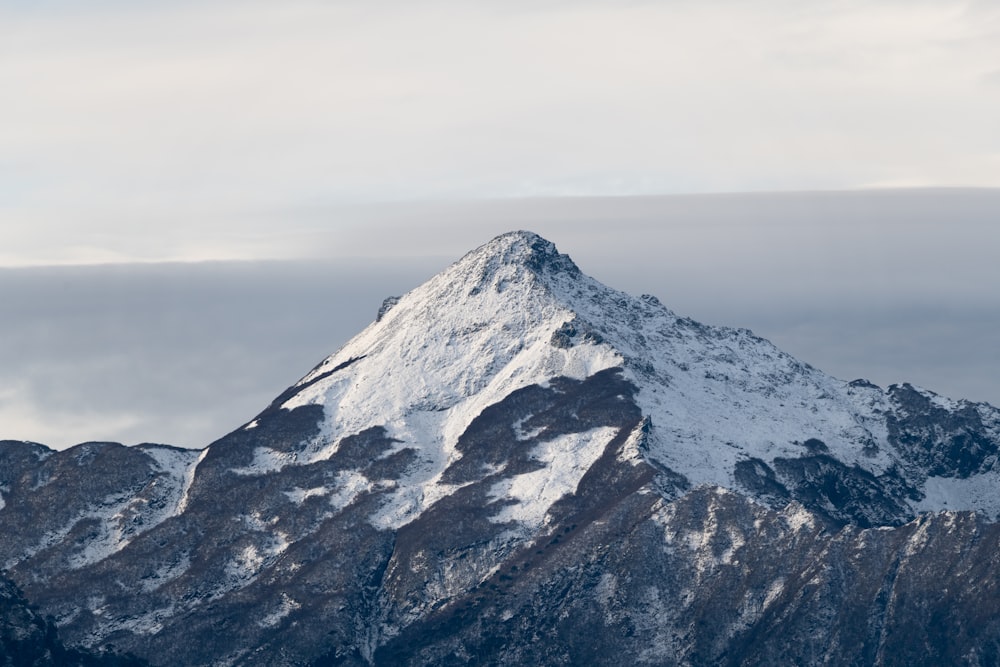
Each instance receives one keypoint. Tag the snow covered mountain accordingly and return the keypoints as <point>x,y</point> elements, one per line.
<point>515,464</point>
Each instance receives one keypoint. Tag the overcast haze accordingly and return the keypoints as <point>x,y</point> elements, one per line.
<point>190,130</point>
<point>199,200</point>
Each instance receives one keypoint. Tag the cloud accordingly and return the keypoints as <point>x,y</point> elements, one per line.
<point>154,130</point>
<point>174,353</point>
<point>992,78</point>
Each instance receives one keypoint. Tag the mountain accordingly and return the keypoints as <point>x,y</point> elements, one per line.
<point>515,464</point>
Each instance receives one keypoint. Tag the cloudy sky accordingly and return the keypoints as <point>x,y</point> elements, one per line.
<point>345,150</point>
<point>190,130</point>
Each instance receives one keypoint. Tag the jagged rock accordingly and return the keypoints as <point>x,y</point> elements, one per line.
<point>386,306</point>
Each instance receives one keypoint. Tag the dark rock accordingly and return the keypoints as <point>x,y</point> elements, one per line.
<point>386,306</point>
<point>945,443</point>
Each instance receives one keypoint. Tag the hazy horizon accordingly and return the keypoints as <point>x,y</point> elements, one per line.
<point>892,287</point>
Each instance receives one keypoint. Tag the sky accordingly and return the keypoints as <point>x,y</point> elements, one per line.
<point>194,130</point>
<point>200,200</point>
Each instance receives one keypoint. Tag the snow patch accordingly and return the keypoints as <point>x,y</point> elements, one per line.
<point>773,592</point>
<point>256,522</point>
<point>566,459</point>
<point>918,540</point>
<point>121,517</point>
<point>188,481</point>
<point>605,589</point>
<point>180,466</point>
<point>251,559</point>
<point>977,493</point>
<point>939,401</point>
<point>630,452</point>
<point>798,518</point>
<point>706,539</point>
<point>285,607</point>
<point>299,495</point>
<point>265,460</point>
<point>246,564</point>
<point>47,540</point>
<point>349,485</point>
<point>520,434</point>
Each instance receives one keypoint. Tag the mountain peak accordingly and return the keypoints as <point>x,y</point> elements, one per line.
<point>521,248</point>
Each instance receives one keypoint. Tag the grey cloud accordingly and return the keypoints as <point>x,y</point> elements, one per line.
<point>950,349</point>
<point>172,353</point>
<point>196,117</point>
<point>932,243</point>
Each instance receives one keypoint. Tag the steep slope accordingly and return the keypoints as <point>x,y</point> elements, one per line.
<point>515,464</point>
<point>26,638</point>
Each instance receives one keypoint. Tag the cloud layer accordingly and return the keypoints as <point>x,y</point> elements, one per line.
<point>187,130</point>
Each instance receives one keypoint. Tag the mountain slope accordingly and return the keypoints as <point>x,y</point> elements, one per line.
<point>26,638</point>
<point>515,464</point>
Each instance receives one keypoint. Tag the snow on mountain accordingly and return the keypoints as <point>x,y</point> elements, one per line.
<point>566,459</point>
<point>724,408</point>
<point>150,483</point>
<point>461,342</point>
<point>515,464</point>
<point>178,468</point>
<point>515,313</point>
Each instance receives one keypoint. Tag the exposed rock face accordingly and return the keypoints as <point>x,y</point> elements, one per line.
<point>518,465</point>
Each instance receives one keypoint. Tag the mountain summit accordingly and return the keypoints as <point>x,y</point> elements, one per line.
<point>520,249</point>
<point>515,464</point>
